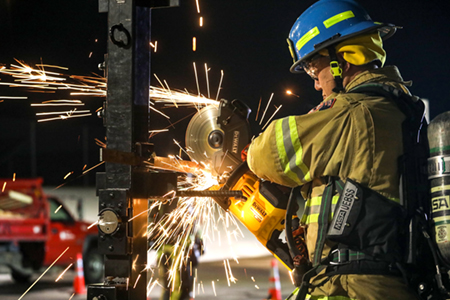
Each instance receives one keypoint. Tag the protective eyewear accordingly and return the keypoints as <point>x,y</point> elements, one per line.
<point>313,66</point>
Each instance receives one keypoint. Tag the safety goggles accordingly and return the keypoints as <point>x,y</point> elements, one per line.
<point>314,65</point>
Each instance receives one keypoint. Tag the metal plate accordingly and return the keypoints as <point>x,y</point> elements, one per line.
<point>202,124</point>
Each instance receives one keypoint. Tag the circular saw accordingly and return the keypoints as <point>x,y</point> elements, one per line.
<point>217,134</point>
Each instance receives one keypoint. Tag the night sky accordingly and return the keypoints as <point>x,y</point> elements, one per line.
<point>244,38</point>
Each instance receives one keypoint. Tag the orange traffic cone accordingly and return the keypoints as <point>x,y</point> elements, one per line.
<point>78,282</point>
<point>274,280</point>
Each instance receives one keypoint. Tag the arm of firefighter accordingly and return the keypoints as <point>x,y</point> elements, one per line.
<point>295,149</point>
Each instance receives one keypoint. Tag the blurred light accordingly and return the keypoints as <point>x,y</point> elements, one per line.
<point>290,93</point>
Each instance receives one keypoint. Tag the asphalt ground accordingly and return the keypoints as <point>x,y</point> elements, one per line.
<point>252,282</point>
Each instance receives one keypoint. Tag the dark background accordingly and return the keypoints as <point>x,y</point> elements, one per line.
<point>244,38</point>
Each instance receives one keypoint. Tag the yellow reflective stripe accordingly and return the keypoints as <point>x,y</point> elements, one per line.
<point>309,297</point>
<point>307,37</point>
<point>312,207</point>
<point>397,200</point>
<point>338,18</point>
<point>306,212</point>
<point>318,200</point>
<point>312,218</point>
<point>282,151</point>
<point>295,139</point>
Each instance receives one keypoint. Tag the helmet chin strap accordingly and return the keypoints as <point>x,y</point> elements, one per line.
<point>336,70</point>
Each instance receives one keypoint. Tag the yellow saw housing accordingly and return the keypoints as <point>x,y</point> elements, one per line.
<point>263,213</point>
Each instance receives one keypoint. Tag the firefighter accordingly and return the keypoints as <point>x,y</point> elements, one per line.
<point>349,135</point>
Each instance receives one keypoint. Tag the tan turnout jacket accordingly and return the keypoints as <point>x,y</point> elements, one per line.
<point>350,135</point>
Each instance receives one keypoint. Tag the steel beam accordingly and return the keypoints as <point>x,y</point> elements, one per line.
<point>126,118</point>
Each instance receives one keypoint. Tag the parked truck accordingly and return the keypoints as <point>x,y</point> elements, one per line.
<point>36,228</point>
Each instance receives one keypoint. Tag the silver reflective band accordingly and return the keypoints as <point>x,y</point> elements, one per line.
<point>438,166</point>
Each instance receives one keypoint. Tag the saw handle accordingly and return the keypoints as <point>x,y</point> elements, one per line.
<point>235,176</point>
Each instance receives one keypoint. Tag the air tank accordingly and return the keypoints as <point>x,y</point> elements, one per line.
<point>439,176</point>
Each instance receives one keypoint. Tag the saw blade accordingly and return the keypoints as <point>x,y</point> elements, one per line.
<point>203,135</point>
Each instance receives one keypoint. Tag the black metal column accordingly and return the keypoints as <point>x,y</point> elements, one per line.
<point>121,198</point>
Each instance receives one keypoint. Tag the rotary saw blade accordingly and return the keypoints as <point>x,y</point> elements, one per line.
<point>203,135</point>
<point>217,134</point>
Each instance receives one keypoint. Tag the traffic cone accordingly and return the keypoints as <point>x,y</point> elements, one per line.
<point>79,286</point>
<point>274,281</point>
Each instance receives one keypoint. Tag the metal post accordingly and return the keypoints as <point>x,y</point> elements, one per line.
<point>123,190</point>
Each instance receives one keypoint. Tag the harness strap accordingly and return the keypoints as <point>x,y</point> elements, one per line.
<point>342,256</point>
<point>323,220</point>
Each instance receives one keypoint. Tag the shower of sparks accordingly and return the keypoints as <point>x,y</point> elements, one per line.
<point>291,275</point>
<point>4,186</point>
<point>56,210</point>
<point>99,164</point>
<point>154,46</point>
<point>68,174</point>
<point>158,130</point>
<point>191,215</point>
<point>150,287</point>
<point>41,77</point>
<point>62,274</point>
<point>220,84</point>
<point>73,294</point>
<point>93,224</point>
<point>270,119</point>
<point>194,44</point>
<point>193,287</point>
<point>159,112</point>
<point>257,112</point>
<point>39,278</point>
<point>162,95</point>
<point>196,78</point>
<point>214,288</point>
<point>256,286</point>
<point>99,143</point>
<point>137,279</point>
<point>267,106</point>
<point>229,274</point>
<point>12,97</point>
<point>201,21</point>
<point>198,6</point>
<point>207,79</point>
<point>59,112</point>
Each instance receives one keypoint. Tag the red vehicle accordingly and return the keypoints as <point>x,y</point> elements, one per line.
<point>35,229</point>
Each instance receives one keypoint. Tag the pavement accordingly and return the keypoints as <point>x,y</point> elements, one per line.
<point>252,283</point>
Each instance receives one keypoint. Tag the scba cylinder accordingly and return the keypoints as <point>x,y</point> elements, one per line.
<point>439,176</point>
